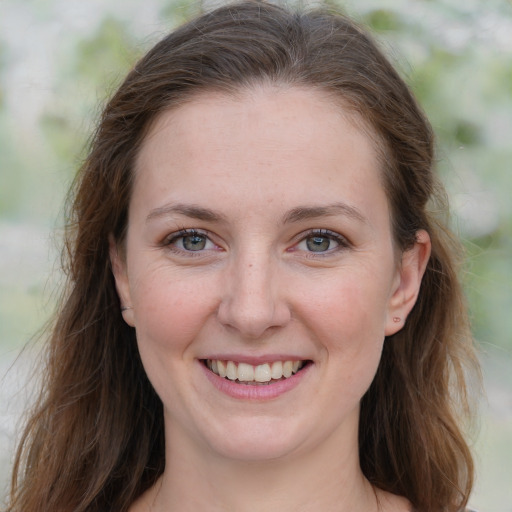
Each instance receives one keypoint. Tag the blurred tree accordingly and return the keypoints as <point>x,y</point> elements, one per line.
<point>458,59</point>
<point>97,65</point>
<point>11,179</point>
<point>180,11</point>
<point>3,58</point>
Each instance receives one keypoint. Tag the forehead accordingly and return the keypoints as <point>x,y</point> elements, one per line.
<point>265,143</point>
<point>306,108</point>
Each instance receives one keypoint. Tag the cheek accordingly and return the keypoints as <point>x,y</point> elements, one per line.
<point>348,311</point>
<point>169,315</point>
<point>169,311</point>
<point>347,321</point>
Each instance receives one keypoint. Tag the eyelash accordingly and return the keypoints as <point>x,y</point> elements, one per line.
<point>342,242</point>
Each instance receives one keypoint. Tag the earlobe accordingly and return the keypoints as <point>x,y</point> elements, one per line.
<point>412,267</point>
<point>118,264</point>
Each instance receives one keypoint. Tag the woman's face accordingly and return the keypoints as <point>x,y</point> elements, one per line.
<point>259,246</point>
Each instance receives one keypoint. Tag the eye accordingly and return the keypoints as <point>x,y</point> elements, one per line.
<point>190,241</point>
<point>321,241</point>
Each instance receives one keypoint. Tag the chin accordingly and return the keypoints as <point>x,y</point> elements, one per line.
<point>260,442</point>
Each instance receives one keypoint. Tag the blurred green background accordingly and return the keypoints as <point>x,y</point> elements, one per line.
<point>59,60</point>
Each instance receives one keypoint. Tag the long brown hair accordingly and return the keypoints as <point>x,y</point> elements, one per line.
<point>95,441</point>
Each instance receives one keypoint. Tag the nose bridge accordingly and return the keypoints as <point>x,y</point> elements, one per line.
<point>252,302</point>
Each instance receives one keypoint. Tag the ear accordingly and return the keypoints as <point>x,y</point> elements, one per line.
<point>118,264</point>
<point>408,281</point>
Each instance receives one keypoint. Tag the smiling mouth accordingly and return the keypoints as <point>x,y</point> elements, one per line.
<point>262,374</point>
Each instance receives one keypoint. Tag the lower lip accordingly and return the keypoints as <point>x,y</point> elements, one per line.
<point>255,392</point>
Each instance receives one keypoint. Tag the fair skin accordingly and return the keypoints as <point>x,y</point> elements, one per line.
<point>259,240</point>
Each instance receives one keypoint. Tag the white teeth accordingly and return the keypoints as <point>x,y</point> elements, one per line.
<point>231,370</point>
<point>262,373</point>
<point>245,372</point>
<point>277,370</point>
<point>221,367</point>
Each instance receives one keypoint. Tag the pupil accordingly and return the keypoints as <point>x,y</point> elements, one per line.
<point>318,243</point>
<point>194,242</point>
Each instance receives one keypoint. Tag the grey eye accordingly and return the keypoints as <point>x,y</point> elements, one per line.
<point>194,242</point>
<point>319,243</point>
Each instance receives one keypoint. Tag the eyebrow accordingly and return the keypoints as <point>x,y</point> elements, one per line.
<point>295,215</point>
<point>188,210</point>
<point>311,212</point>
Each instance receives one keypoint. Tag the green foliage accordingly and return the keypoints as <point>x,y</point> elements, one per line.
<point>488,289</point>
<point>11,175</point>
<point>3,59</point>
<point>97,65</point>
<point>60,134</point>
<point>382,20</point>
<point>103,59</point>
<point>180,11</point>
<point>467,133</point>
<point>465,89</point>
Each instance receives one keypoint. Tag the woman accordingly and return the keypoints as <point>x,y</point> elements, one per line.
<point>263,309</point>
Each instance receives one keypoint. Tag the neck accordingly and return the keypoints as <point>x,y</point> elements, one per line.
<point>327,478</point>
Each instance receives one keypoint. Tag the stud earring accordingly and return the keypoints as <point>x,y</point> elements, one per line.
<point>125,308</point>
<point>396,319</point>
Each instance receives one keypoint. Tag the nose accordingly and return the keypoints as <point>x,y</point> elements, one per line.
<point>253,301</point>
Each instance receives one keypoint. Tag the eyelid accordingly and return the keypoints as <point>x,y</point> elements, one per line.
<point>184,232</point>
